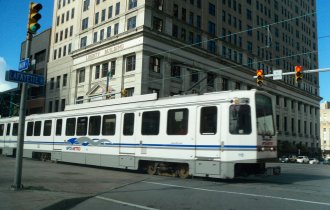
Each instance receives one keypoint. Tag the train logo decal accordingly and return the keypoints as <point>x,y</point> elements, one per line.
<point>85,141</point>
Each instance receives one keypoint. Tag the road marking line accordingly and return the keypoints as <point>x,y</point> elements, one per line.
<point>238,193</point>
<point>125,203</point>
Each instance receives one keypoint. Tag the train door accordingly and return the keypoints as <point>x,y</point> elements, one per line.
<point>2,135</point>
<point>58,135</point>
<point>208,142</point>
<point>127,142</point>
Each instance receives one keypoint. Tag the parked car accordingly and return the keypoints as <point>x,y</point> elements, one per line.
<point>313,161</point>
<point>292,159</point>
<point>284,159</point>
<point>302,159</point>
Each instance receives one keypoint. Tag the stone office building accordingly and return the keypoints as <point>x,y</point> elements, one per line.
<point>184,46</point>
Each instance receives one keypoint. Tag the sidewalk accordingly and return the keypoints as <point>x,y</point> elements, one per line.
<point>50,185</point>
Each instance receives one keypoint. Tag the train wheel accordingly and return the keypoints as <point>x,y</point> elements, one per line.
<point>183,171</point>
<point>152,168</point>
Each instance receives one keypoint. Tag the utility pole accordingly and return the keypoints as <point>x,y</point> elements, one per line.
<point>33,26</point>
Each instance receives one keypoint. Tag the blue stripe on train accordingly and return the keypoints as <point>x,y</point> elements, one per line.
<point>146,145</point>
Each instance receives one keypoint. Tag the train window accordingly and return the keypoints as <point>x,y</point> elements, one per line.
<point>29,129</point>
<point>2,129</point>
<point>128,129</point>
<point>37,128</point>
<point>8,129</point>
<point>70,126</point>
<point>264,110</point>
<point>58,131</point>
<point>209,117</point>
<point>82,126</point>
<point>94,125</point>
<point>47,127</point>
<point>177,122</point>
<point>150,123</point>
<point>15,129</point>
<point>109,125</point>
<point>240,119</point>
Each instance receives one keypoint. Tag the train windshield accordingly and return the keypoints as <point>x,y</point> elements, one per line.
<point>265,121</point>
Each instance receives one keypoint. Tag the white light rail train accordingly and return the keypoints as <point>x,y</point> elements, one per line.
<point>220,134</point>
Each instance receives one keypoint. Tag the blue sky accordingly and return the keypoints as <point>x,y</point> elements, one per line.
<point>14,14</point>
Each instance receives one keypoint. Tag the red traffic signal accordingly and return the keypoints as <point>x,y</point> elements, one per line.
<point>260,77</point>
<point>299,75</point>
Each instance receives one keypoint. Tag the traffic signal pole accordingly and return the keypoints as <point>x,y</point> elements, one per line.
<point>32,28</point>
<point>20,138</point>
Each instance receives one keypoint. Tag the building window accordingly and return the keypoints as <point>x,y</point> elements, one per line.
<point>84,24</point>
<point>63,104</point>
<point>81,75</point>
<point>50,106</point>
<point>105,69</point>
<point>113,67</point>
<point>130,91</point>
<point>132,4</point>
<point>210,79</point>
<point>101,34</point>
<point>131,23</point>
<point>211,9</point>
<point>52,81</point>
<point>86,5</point>
<point>65,79</point>
<point>96,20</point>
<point>117,8</point>
<point>176,71</point>
<point>97,71</point>
<point>130,63</point>
<point>110,12</point>
<point>108,31</point>
<point>211,46</point>
<point>116,30</point>
<point>175,31</point>
<point>72,13</point>
<point>198,21</point>
<point>71,31</point>
<point>103,15</point>
<point>40,56</point>
<point>194,76</point>
<point>57,103</point>
<point>176,10</point>
<point>58,81</point>
<point>158,4</point>
<point>95,37</point>
<point>83,41</point>
<point>248,14</point>
<point>154,64</point>
<point>157,24</point>
<point>211,28</point>
<point>225,84</point>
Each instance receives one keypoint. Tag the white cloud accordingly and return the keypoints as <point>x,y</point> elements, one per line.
<point>4,85</point>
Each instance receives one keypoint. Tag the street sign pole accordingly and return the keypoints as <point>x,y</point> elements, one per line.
<point>20,138</point>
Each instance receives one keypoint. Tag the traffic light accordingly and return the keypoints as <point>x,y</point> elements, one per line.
<point>299,75</point>
<point>34,16</point>
<point>123,92</point>
<point>260,77</point>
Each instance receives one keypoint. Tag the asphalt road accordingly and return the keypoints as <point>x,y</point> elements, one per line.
<point>301,186</point>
